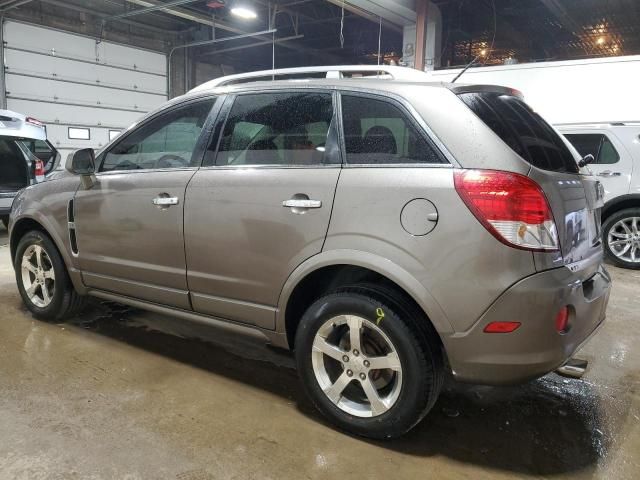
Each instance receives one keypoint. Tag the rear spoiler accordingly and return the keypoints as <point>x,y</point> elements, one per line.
<point>460,89</point>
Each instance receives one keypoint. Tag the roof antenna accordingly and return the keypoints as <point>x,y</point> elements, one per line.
<point>469,65</point>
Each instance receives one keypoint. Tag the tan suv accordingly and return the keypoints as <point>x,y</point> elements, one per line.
<point>386,230</point>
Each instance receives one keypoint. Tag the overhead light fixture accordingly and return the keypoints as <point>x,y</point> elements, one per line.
<point>483,52</point>
<point>244,11</point>
<point>600,40</point>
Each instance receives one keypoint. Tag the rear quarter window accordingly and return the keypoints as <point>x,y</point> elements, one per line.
<point>526,132</point>
<point>376,131</point>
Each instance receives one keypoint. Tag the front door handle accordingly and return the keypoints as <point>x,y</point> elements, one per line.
<point>609,173</point>
<point>165,200</point>
<point>302,203</point>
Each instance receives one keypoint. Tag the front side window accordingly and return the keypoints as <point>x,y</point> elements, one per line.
<point>596,144</point>
<point>276,129</point>
<point>378,132</point>
<point>167,141</point>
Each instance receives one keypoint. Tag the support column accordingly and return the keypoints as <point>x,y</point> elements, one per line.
<point>421,29</point>
<point>422,41</point>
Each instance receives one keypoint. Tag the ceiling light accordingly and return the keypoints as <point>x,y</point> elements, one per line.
<point>600,40</point>
<point>245,12</point>
<point>483,52</point>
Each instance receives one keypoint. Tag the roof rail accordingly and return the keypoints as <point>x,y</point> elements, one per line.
<point>335,71</point>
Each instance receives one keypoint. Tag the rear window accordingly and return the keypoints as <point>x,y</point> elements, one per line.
<point>526,132</point>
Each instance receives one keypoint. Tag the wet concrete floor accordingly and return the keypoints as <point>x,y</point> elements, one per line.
<point>123,394</point>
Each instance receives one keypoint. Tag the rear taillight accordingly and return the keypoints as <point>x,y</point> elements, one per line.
<point>511,206</point>
<point>39,170</point>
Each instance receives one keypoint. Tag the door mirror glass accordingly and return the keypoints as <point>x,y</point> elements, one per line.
<point>82,162</point>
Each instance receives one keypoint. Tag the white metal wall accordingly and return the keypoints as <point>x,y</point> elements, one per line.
<point>68,80</point>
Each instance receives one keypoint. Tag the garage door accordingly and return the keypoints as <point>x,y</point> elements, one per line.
<point>84,90</point>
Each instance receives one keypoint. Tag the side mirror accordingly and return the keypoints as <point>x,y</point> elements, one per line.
<point>586,160</point>
<point>82,162</point>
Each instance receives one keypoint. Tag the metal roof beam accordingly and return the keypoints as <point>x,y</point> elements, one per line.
<point>99,15</point>
<point>205,20</point>
<point>189,15</point>
<point>154,8</point>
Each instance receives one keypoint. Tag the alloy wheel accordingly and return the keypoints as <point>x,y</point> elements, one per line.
<point>624,239</point>
<point>356,366</point>
<point>38,276</point>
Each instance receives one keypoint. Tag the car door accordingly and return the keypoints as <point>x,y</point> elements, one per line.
<point>129,225</point>
<point>612,165</point>
<point>261,204</point>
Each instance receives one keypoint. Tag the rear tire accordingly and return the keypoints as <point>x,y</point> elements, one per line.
<point>394,356</point>
<point>42,278</point>
<point>621,238</point>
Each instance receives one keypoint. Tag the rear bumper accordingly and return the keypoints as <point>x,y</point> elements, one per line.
<point>535,348</point>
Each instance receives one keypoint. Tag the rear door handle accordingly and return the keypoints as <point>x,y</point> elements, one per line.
<point>302,203</point>
<point>609,173</point>
<point>162,201</point>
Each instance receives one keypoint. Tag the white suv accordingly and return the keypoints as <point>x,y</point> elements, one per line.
<point>616,151</point>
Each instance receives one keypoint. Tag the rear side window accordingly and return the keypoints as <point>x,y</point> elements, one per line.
<point>596,144</point>
<point>378,132</point>
<point>276,129</point>
<point>526,132</point>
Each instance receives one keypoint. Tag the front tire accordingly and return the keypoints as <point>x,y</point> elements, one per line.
<point>42,278</point>
<point>366,365</point>
<point>621,238</point>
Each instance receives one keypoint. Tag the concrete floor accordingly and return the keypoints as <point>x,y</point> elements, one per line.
<point>123,394</point>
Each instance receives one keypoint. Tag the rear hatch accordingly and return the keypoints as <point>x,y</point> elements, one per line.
<point>575,196</point>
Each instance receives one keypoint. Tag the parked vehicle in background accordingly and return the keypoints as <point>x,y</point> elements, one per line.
<point>26,157</point>
<point>616,151</point>
<point>386,230</point>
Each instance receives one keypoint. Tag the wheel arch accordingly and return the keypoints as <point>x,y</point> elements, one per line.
<point>330,270</point>
<point>622,202</point>
<point>27,223</point>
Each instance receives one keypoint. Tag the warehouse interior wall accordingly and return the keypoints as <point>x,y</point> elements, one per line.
<point>186,72</point>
